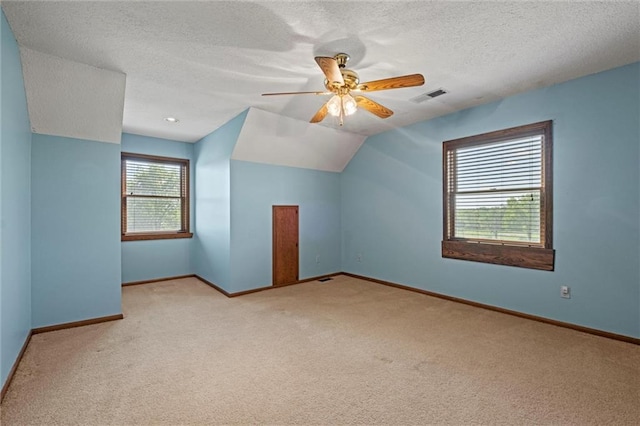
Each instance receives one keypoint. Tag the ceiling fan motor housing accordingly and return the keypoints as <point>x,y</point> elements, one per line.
<point>350,77</point>
<point>351,81</point>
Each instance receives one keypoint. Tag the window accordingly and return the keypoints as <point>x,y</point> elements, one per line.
<point>497,197</point>
<point>155,197</point>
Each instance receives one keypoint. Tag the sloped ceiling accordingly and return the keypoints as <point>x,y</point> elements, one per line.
<point>273,139</point>
<point>205,62</point>
<point>66,98</point>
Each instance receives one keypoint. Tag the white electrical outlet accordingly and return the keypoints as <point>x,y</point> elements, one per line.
<point>565,291</point>
<point>317,258</point>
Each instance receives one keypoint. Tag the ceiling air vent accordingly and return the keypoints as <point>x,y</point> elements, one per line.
<point>427,96</point>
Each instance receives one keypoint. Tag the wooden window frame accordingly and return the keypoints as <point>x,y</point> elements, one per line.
<point>502,252</point>
<point>184,232</point>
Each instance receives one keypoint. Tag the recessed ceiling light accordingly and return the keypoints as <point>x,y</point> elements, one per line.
<point>171,120</point>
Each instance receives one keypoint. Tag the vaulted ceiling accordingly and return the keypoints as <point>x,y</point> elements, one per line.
<point>205,62</point>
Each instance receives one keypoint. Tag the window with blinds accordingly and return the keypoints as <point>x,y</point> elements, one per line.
<point>155,197</point>
<point>497,193</point>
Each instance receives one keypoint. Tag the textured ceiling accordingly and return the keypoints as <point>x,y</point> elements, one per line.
<point>205,62</point>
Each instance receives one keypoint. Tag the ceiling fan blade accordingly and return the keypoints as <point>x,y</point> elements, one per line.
<point>373,107</point>
<point>296,93</point>
<point>320,115</point>
<point>329,67</point>
<point>392,83</point>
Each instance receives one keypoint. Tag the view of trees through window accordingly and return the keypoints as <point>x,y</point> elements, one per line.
<point>494,190</point>
<point>517,219</point>
<point>153,203</point>
<point>153,195</point>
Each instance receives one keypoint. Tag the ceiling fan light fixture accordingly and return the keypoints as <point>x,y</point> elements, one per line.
<point>344,104</point>
<point>333,106</point>
<point>349,104</point>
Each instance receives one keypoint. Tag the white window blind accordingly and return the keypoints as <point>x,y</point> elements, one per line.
<point>495,191</point>
<point>154,196</point>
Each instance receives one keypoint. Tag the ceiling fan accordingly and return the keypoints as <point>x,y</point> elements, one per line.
<point>342,83</point>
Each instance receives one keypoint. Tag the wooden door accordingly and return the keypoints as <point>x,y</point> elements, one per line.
<point>285,245</point>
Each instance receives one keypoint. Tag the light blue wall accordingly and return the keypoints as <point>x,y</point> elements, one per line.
<point>211,250</point>
<point>255,188</point>
<point>146,260</point>
<point>15,204</point>
<point>75,198</point>
<point>392,205</point>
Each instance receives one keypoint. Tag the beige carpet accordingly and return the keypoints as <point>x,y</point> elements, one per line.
<point>341,352</point>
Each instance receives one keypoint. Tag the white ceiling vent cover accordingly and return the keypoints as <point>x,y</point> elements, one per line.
<point>427,96</point>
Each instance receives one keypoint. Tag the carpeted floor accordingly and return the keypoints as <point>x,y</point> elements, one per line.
<point>342,352</point>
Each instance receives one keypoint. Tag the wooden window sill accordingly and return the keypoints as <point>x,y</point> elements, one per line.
<point>522,257</point>
<point>156,236</point>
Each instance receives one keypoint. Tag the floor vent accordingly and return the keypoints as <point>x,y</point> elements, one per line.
<point>325,279</point>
